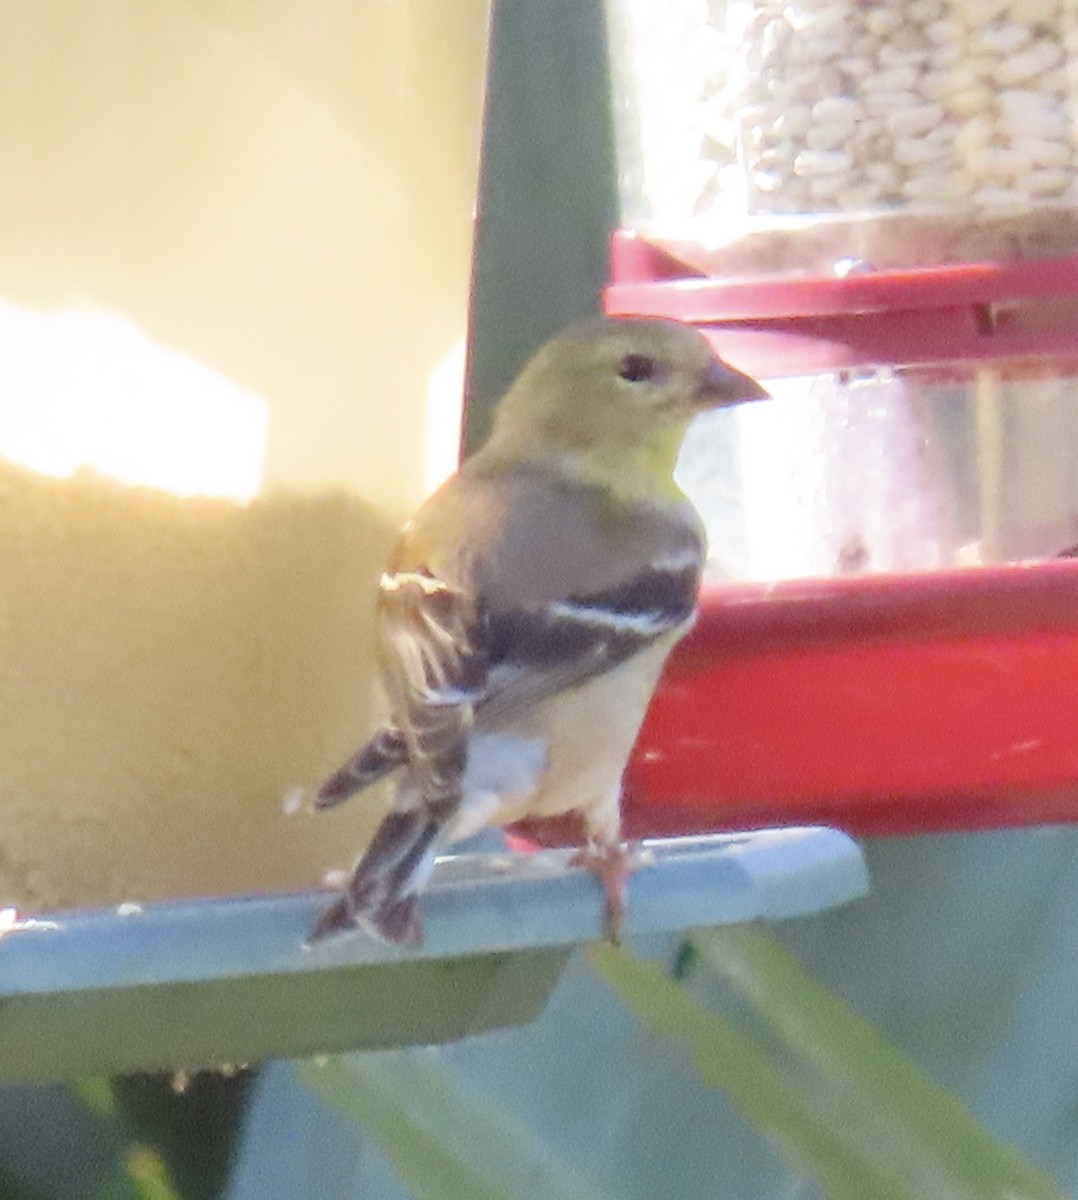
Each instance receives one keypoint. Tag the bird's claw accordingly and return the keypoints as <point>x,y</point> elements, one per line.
<point>611,863</point>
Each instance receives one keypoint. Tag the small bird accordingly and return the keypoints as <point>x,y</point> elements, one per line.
<point>528,609</point>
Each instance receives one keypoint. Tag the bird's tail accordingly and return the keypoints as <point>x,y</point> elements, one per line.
<point>386,751</point>
<point>382,894</point>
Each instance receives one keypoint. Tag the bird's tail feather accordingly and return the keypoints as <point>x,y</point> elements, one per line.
<point>382,895</point>
<point>386,751</point>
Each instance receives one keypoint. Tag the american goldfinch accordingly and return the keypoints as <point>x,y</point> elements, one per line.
<point>528,609</point>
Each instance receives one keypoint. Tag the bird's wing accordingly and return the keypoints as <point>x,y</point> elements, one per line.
<point>558,591</point>
<point>537,650</point>
<point>436,669</point>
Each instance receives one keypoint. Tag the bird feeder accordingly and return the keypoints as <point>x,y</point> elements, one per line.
<point>789,136</point>
<point>872,208</point>
<point>885,643</point>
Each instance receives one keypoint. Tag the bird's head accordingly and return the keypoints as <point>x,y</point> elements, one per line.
<point>618,391</point>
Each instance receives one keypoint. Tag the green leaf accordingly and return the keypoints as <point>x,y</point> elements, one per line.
<point>842,1103</point>
<point>143,1175</point>
<point>444,1141</point>
<point>147,1171</point>
<point>97,1095</point>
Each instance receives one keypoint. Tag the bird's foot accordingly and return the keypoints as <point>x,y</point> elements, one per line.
<point>611,863</point>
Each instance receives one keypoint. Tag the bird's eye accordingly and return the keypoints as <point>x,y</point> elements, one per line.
<point>636,368</point>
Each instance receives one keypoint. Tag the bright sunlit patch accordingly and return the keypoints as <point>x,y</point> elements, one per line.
<point>445,407</point>
<point>85,389</point>
<point>11,922</point>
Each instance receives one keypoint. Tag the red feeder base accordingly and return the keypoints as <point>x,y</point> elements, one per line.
<point>877,705</point>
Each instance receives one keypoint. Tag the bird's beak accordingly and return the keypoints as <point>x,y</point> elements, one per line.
<point>723,386</point>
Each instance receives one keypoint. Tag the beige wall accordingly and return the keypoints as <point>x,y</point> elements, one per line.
<point>285,192</point>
